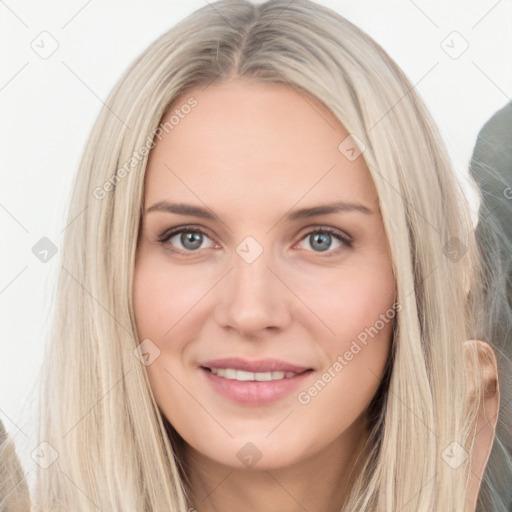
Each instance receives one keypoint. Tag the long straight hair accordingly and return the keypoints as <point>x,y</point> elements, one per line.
<point>98,412</point>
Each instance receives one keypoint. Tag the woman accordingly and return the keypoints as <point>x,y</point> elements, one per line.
<point>264,305</point>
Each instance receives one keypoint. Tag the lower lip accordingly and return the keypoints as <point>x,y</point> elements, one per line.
<point>255,392</point>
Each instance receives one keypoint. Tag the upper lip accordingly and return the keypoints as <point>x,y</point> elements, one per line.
<point>256,366</point>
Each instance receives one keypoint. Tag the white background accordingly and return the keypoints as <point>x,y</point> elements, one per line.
<point>49,105</point>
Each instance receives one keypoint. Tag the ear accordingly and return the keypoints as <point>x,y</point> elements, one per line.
<point>487,417</point>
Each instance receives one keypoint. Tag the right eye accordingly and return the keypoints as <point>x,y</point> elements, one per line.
<point>189,237</point>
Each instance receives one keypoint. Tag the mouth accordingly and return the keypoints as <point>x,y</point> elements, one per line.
<point>253,382</point>
<point>243,376</point>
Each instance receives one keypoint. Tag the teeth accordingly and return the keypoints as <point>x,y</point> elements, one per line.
<point>241,375</point>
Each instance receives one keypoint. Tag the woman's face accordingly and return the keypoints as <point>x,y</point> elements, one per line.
<point>263,283</point>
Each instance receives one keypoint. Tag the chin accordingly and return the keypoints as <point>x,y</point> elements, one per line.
<point>254,453</point>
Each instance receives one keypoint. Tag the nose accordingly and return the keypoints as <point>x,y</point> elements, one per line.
<point>253,300</point>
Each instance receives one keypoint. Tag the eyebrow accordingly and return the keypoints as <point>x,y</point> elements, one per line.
<point>303,213</point>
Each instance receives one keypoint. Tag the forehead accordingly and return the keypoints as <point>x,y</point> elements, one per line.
<point>257,144</point>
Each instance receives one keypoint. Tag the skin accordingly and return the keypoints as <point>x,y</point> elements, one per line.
<point>277,151</point>
<point>488,411</point>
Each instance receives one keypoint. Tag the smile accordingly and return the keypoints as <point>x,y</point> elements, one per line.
<point>253,383</point>
<point>241,375</point>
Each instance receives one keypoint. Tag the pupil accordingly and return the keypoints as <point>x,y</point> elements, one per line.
<point>191,240</point>
<point>321,241</point>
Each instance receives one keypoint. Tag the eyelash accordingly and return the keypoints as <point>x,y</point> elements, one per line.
<point>165,237</point>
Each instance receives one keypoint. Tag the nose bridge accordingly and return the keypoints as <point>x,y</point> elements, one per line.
<point>252,278</point>
<point>252,298</point>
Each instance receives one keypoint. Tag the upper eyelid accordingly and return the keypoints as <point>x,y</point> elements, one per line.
<point>169,233</point>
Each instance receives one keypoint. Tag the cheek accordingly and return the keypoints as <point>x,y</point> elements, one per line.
<point>161,299</point>
<point>354,363</point>
<point>162,296</point>
<point>359,309</point>
<point>350,301</point>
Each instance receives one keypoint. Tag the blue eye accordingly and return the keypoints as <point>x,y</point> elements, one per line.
<point>321,239</point>
<point>190,239</point>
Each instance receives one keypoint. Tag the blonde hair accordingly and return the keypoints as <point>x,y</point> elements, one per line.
<point>14,492</point>
<point>98,411</point>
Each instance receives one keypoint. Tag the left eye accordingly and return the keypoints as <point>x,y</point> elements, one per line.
<point>321,240</point>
